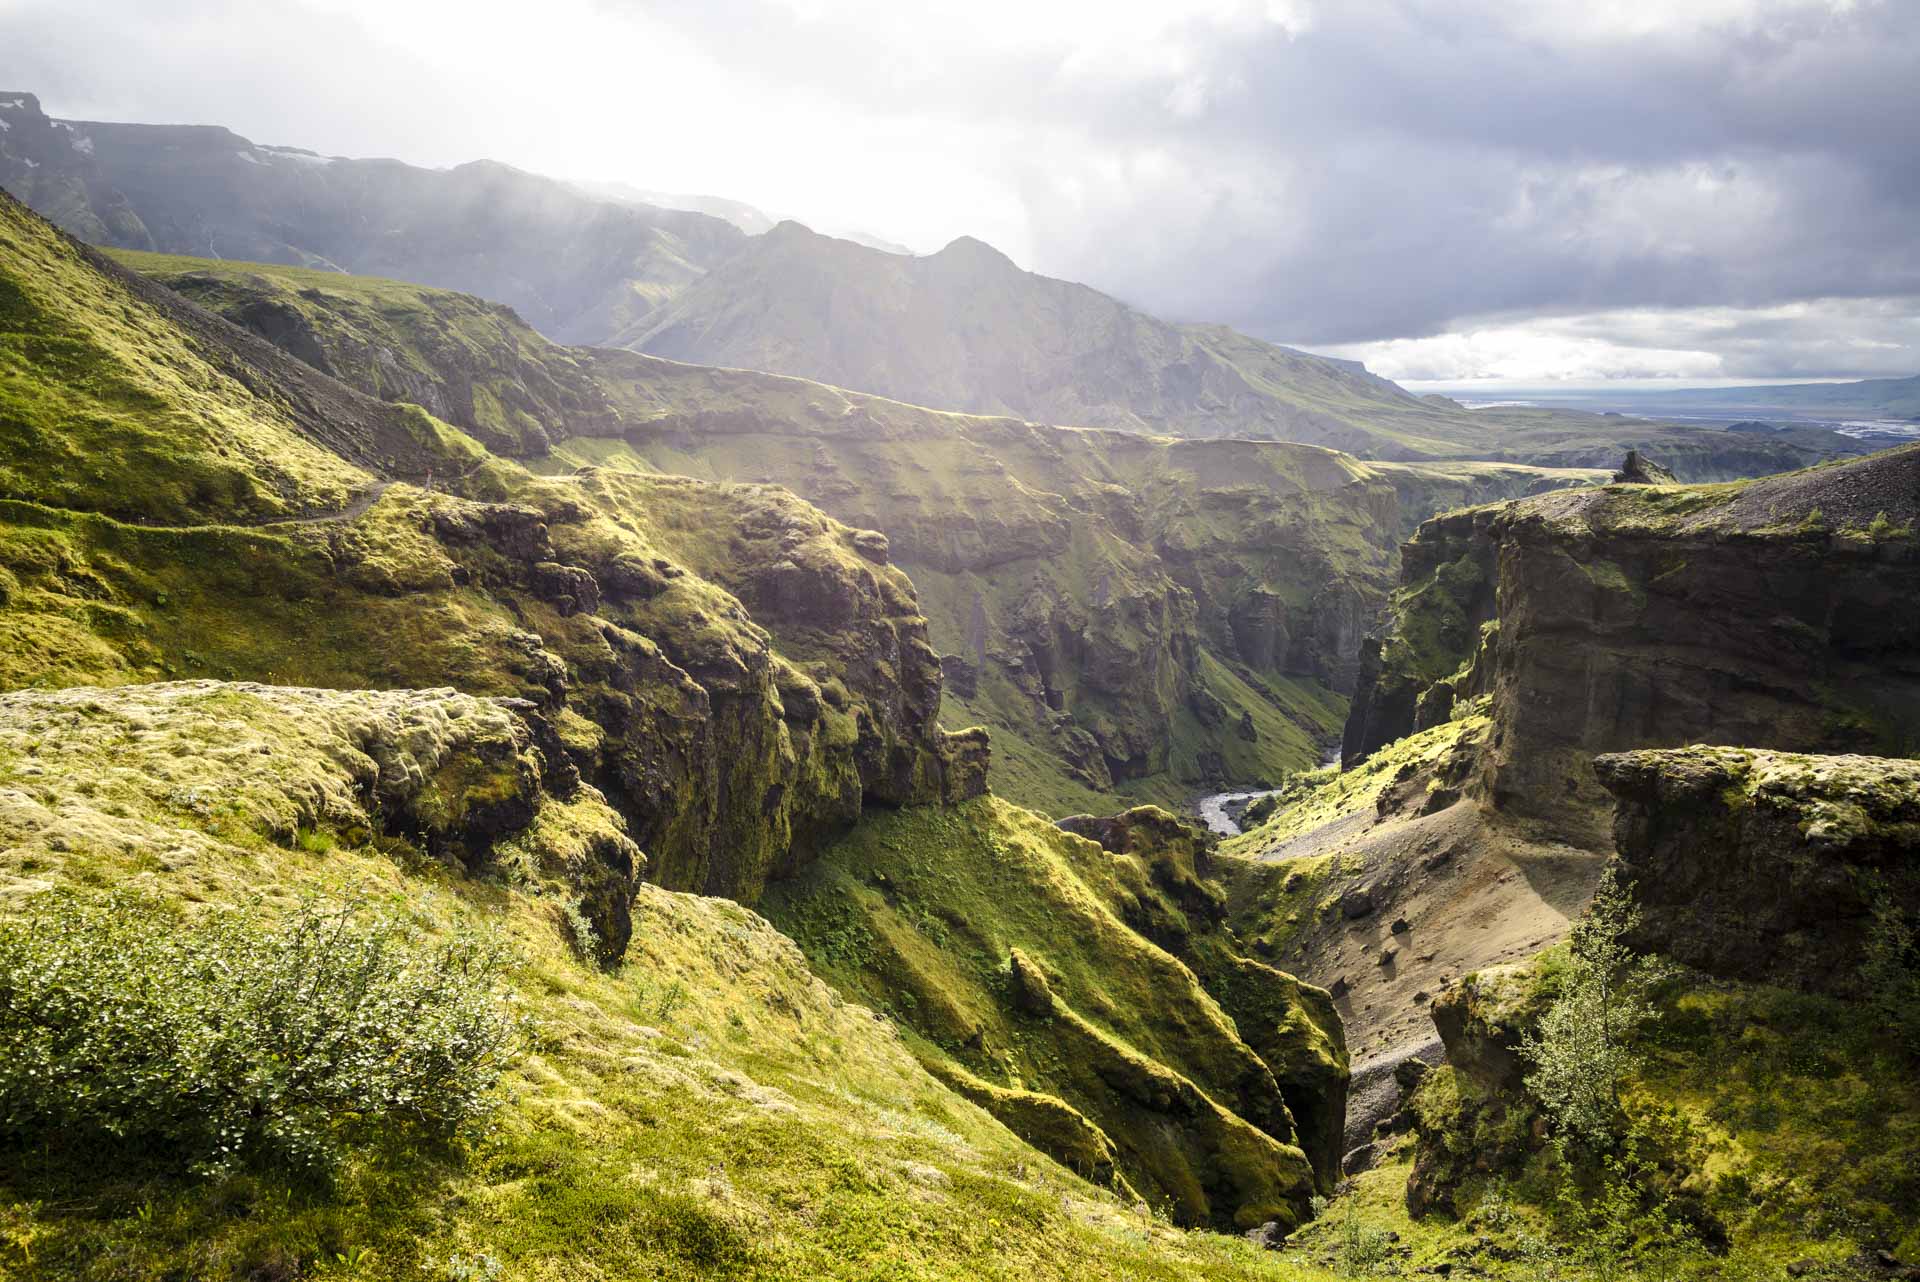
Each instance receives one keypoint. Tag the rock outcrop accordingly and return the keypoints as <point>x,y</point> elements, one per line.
<point>178,768</point>
<point>1765,866</point>
<point>1637,470</point>
<point>1774,613</point>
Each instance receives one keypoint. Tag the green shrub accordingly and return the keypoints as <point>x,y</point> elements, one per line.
<point>232,1037</point>
<point>1890,972</point>
<point>1584,1045</point>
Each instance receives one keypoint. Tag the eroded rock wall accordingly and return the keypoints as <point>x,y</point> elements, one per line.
<point>1775,613</point>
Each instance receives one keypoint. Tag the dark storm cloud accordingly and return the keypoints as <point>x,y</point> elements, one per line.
<point>1384,169</point>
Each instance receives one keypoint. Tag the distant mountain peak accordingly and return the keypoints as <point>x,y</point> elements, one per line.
<point>971,248</point>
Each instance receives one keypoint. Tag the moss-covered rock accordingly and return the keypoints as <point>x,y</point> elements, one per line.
<point>175,770</point>
<point>1765,866</point>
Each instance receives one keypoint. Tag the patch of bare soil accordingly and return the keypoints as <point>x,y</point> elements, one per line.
<point>1432,897</point>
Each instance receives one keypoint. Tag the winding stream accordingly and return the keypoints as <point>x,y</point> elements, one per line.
<point>1213,810</point>
<point>1221,811</point>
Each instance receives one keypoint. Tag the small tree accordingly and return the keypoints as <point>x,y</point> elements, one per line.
<point>1583,1047</point>
<point>1890,971</point>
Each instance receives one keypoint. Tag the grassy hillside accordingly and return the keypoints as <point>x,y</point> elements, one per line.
<point>468,362</point>
<point>1020,957</point>
<point>706,1107</point>
<point>123,415</point>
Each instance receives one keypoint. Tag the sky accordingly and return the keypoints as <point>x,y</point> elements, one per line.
<point>1459,192</point>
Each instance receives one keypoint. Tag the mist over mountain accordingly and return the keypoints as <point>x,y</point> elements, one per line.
<point>960,329</point>
<point>577,266</point>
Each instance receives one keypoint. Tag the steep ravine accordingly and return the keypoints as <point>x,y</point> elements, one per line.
<point>268,642</point>
<point>1130,615</point>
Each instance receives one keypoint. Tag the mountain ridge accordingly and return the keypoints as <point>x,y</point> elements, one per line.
<point>959,329</point>
<point>578,266</point>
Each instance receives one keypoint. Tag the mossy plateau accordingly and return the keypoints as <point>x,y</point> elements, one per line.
<point>1617,617</point>
<point>1766,866</point>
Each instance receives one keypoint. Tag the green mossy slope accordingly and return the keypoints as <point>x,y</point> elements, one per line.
<point>1028,960</point>
<point>474,364</point>
<point>106,406</point>
<point>738,672</point>
<point>705,1108</point>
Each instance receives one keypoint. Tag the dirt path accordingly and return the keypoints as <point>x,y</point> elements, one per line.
<point>352,511</point>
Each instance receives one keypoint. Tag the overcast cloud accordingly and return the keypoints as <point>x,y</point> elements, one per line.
<point>1514,190</point>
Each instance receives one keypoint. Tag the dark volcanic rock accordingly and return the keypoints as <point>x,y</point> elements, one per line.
<point>1637,470</point>
<point>1757,865</point>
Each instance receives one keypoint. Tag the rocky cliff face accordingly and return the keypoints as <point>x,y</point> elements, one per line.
<point>1765,866</point>
<point>1769,613</point>
<point>1149,613</point>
